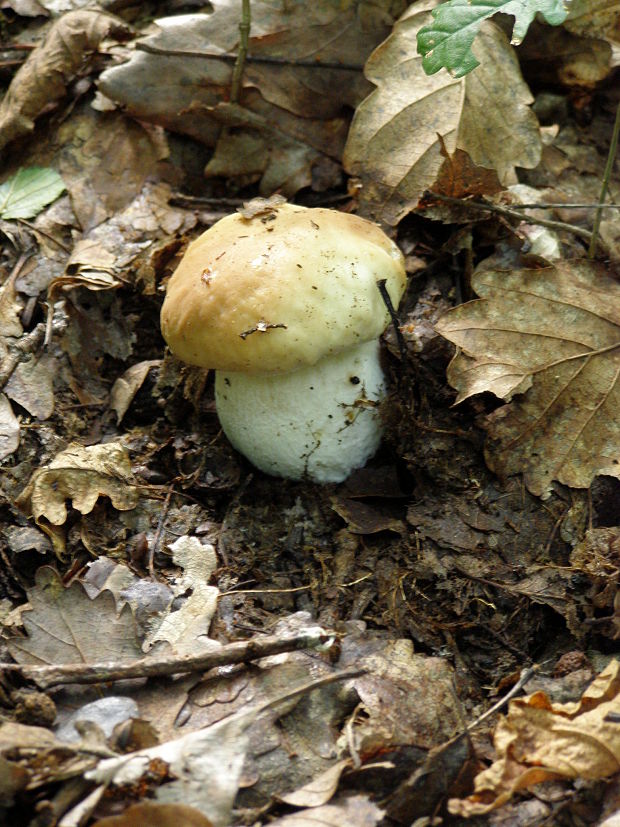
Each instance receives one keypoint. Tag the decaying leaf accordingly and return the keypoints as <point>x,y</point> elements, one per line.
<point>320,789</point>
<point>105,159</point>
<point>44,77</point>
<point>594,18</point>
<point>10,308</point>
<point>347,811</point>
<point>32,386</point>
<point>186,629</point>
<point>289,117</point>
<point>37,757</point>
<point>206,765</point>
<point>459,177</point>
<point>9,428</point>
<point>539,741</point>
<point>156,815</point>
<point>65,626</point>
<point>560,57</point>
<point>80,474</point>
<point>393,145</point>
<point>555,333</point>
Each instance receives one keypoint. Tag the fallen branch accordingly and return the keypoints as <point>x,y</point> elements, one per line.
<point>228,654</point>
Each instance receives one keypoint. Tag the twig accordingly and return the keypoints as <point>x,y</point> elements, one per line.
<point>276,61</point>
<point>512,213</point>
<point>387,301</point>
<point>25,346</point>
<point>158,534</point>
<point>244,35</point>
<point>543,205</point>
<point>611,157</point>
<point>231,653</point>
<point>526,676</point>
<point>45,234</point>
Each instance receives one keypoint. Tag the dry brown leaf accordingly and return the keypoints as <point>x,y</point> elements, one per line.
<point>80,474</point>
<point>32,385</point>
<point>10,309</point>
<point>105,160</point>
<point>156,815</point>
<point>365,519</point>
<point>592,18</point>
<point>557,56</point>
<point>539,741</point>
<point>44,77</point>
<point>555,333</point>
<point>393,144</point>
<point>65,626</point>
<point>459,177</point>
<point>289,118</point>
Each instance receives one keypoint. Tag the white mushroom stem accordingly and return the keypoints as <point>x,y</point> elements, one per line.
<point>319,422</point>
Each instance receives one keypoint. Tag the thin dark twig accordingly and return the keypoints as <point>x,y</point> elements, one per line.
<point>45,234</point>
<point>512,213</point>
<point>402,346</point>
<point>244,36</point>
<point>611,157</point>
<point>158,534</point>
<point>268,59</point>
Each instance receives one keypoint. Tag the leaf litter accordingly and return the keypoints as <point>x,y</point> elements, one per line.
<point>438,576</point>
<point>550,335</point>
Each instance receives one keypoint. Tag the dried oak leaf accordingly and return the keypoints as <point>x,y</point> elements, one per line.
<point>65,626</point>
<point>540,741</point>
<point>156,815</point>
<point>44,77</point>
<point>393,144</point>
<point>554,333</point>
<point>80,474</point>
<point>289,119</point>
<point>346,811</point>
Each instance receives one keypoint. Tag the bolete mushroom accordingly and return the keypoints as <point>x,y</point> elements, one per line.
<point>286,307</point>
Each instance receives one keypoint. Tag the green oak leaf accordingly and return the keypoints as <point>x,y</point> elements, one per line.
<point>25,194</point>
<point>446,42</point>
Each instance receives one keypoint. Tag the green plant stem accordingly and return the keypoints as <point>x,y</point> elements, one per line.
<point>244,32</point>
<point>611,157</point>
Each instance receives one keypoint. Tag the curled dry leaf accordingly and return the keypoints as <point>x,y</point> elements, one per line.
<point>540,741</point>
<point>43,78</point>
<point>80,474</point>
<point>127,386</point>
<point>555,333</point>
<point>393,145</point>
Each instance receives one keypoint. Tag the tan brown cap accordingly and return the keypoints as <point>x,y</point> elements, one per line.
<point>280,290</point>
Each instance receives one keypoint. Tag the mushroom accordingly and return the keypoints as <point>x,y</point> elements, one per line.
<point>286,307</point>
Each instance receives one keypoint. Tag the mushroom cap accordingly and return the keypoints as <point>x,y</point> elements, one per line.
<point>280,290</point>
